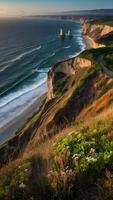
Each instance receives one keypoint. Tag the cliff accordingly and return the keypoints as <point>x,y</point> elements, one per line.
<point>65,151</point>
<point>97,32</point>
<point>66,68</point>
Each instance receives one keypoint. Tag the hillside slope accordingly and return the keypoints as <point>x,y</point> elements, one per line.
<point>65,151</point>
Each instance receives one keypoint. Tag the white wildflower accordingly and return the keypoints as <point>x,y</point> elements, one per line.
<point>76,158</point>
<point>74,155</point>
<point>91,159</point>
<point>92,150</point>
<point>26,170</point>
<point>70,170</point>
<point>22,185</point>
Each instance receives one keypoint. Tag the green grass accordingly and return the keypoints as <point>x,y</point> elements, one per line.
<point>89,73</point>
<point>62,86</point>
<point>106,89</point>
<point>86,152</point>
<point>85,156</point>
<point>108,61</point>
<point>79,160</point>
<point>15,178</point>
<point>83,159</point>
<point>92,54</point>
<point>25,180</point>
<point>103,21</point>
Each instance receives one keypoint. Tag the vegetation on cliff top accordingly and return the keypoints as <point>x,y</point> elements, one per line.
<point>106,39</point>
<point>108,61</point>
<point>80,167</point>
<point>79,162</point>
<point>103,21</point>
<point>93,54</point>
<point>82,160</point>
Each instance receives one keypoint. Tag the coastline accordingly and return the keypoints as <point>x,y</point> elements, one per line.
<point>90,43</point>
<point>9,130</point>
<point>87,42</point>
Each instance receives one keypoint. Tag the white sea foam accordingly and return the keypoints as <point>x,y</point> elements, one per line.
<point>53,54</point>
<point>81,43</point>
<point>20,57</point>
<point>3,68</point>
<point>25,89</point>
<point>68,47</point>
<point>19,105</point>
<point>44,61</point>
<point>38,48</point>
<point>16,102</point>
<point>26,53</point>
<point>42,70</point>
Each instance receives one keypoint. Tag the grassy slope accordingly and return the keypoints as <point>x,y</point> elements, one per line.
<point>78,161</point>
<point>104,21</point>
<point>108,60</point>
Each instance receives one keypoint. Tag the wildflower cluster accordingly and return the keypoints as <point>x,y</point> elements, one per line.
<point>86,152</point>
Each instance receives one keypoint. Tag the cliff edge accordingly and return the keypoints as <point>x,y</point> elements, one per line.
<point>100,34</point>
<point>65,151</point>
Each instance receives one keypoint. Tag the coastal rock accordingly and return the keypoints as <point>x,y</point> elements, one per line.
<point>82,62</point>
<point>68,68</point>
<point>50,94</point>
<point>95,32</point>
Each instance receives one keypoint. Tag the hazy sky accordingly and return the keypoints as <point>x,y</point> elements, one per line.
<point>31,7</point>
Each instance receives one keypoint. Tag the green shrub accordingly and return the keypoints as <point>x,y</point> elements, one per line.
<point>108,61</point>
<point>80,160</point>
<point>15,178</point>
<point>86,152</point>
<point>92,54</point>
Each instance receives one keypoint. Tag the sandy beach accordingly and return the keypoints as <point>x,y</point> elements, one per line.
<point>9,130</point>
<point>88,42</point>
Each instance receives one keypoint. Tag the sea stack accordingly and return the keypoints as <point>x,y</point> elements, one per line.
<point>69,34</point>
<point>62,33</point>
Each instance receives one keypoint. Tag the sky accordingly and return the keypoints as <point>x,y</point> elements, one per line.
<point>37,7</point>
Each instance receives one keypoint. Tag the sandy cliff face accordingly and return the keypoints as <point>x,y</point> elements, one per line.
<point>95,31</point>
<point>50,86</point>
<point>68,68</point>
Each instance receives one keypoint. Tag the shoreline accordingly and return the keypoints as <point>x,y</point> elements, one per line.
<point>87,42</point>
<point>8,131</point>
<point>90,43</point>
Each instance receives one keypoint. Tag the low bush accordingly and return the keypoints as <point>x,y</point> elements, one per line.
<point>80,162</point>
<point>86,152</point>
<point>14,179</point>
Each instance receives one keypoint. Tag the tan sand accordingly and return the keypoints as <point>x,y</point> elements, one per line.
<point>9,130</point>
<point>90,43</point>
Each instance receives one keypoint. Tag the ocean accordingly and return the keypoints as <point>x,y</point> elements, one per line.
<point>29,47</point>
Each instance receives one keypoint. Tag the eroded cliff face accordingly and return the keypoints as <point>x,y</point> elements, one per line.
<point>95,32</point>
<point>71,71</point>
<point>67,68</point>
